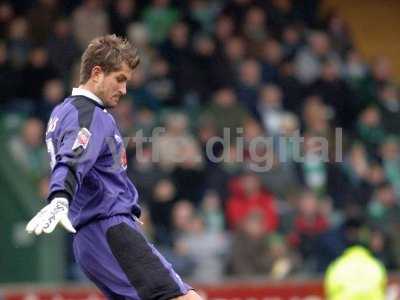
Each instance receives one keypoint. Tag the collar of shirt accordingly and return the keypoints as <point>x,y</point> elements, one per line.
<point>86,93</point>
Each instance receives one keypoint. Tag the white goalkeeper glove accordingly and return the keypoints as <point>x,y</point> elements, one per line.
<point>49,216</point>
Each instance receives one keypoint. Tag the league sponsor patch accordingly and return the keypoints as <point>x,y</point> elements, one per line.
<point>82,140</point>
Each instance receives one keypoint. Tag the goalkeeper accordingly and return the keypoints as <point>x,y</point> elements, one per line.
<point>90,192</point>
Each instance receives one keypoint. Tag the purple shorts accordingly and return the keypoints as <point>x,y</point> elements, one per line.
<point>117,257</point>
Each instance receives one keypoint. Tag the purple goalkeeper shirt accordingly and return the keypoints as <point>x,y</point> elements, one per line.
<point>88,160</point>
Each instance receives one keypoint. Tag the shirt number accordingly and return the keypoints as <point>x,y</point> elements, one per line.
<point>51,151</point>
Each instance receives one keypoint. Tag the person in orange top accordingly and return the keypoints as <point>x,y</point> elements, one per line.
<point>247,195</point>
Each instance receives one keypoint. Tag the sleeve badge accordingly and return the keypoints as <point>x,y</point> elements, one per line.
<point>82,139</point>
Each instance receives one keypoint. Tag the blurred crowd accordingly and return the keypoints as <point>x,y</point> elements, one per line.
<point>271,68</point>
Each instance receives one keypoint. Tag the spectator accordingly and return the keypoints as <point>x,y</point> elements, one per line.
<point>19,43</point>
<point>138,34</point>
<point>174,138</point>
<point>317,122</point>
<point>188,173</point>
<point>8,77</point>
<point>336,94</point>
<point>236,51</point>
<point>246,196</point>
<point>380,74</point>
<point>28,151</point>
<point>291,87</point>
<point>203,13</point>
<point>42,17</point>
<point>160,83</point>
<point>355,68</point>
<point>212,213</point>
<point>283,261</point>
<point>249,81</point>
<point>280,178</point>
<point>309,223</point>
<point>121,14</point>
<point>224,29</point>
<point>376,175</point>
<point>370,130</point>
<point>144,173</point>
<point>339,33</point>
<point>137,90</point>
<point>270,108</point>
<point>384,209</point>
<point>315,172</point>
<point>289,128</point>
<point>53,93</point>
<point>355,169</point>
<point>309,60</point>
<point>89,20</point>
<point>7,13</point>
<point>316,116</point>
<point>384,212</point>
<point>208,70</point>
<point>206,249</point>
<point>63,49</point>
<point>390,154</point>
<point>216,176</point>
<point>307,12</point>
<point>355,73</point>
<point>254,27</point>
<point>256,148</point>
<point>161,210</point>
<point>389,107</point>
<point>237,9</point>
<point>182,216</point>
<point>176,50</point>
<point>124,114</point>
<point>271,58</point>
<point>233,161</point>
<point>36,73</point>
<point>159,18</point>
<point>225,104</point>
<point>280,13</point>
<point>249,256</point>
<point>291,41</point>
<point>145,120</point>
<point>379,243</point>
